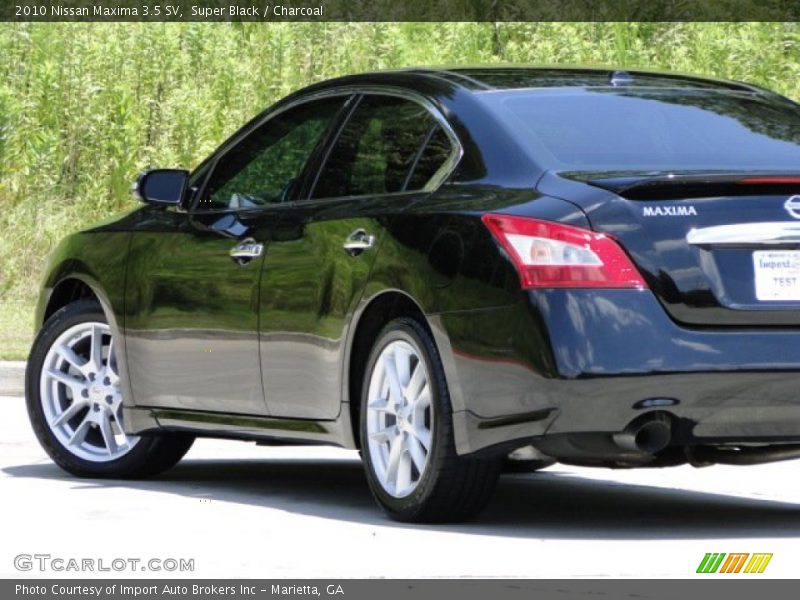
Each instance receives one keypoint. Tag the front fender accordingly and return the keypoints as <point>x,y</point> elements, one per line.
<point>98,260</point>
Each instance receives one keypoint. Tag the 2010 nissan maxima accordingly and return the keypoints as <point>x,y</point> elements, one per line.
<point>446,269</point>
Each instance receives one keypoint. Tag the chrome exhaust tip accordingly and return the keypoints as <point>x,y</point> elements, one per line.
<point>647,434</point>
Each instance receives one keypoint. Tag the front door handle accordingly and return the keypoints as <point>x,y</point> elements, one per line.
<point>246,250</point>
<point>358,241</point>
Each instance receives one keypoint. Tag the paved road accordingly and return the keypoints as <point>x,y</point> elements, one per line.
<point>242,510</point>
<point>12,374</point>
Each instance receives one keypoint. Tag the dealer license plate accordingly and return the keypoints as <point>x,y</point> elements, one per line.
<point>777,275</point>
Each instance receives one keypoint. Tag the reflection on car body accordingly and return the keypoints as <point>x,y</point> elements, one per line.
<point>455,271</point>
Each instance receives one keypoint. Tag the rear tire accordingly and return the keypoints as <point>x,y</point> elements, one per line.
<point>74,401</point>
<point>407,440</point>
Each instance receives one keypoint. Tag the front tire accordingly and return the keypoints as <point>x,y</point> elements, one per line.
<point>407,439</point>
<point>74,401</point>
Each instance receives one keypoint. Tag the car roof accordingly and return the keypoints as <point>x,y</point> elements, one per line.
<point>504,77</point>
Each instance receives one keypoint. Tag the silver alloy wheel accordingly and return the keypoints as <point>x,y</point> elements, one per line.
<point>80,393</point>
<point>399,418</point>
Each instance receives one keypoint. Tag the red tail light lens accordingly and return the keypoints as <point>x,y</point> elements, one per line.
<point>550,255</point>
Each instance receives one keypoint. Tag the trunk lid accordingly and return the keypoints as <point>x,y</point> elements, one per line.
<point>717,248</point>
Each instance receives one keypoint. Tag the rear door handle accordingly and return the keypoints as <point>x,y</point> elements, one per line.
<point>246,250</point>
<point>358,241</point>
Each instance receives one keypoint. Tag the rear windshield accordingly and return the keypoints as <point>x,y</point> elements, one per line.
<point>613,129</point>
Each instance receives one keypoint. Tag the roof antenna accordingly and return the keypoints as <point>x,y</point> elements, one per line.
<point>620,78</point>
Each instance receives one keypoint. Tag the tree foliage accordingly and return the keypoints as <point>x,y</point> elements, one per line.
<point>85,106</point>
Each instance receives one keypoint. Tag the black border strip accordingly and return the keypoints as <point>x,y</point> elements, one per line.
<point>265,11</point>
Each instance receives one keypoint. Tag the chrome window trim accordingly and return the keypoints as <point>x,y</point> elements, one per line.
<point>438,178</point>
<point>235,140</point>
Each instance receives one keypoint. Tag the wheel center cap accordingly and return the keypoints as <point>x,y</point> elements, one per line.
<point>96,392</point>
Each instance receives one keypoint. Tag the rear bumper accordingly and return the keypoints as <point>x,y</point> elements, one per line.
<point>627,332</point>
<point>586,361</point>
<point>708,409</point>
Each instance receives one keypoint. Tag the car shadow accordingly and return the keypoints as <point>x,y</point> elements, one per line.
<point>547,505</point>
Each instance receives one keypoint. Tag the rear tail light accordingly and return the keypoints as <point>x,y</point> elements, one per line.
<point>549,255</point>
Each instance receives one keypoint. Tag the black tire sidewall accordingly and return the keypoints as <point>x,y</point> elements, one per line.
<point>410,331</point>
<point>73,314</point>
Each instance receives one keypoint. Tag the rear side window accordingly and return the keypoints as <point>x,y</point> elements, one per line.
<point>385,147</point>
<point>649,129</point>
<point>432,156</point>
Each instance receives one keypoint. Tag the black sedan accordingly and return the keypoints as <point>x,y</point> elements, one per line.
<point>453,271</point>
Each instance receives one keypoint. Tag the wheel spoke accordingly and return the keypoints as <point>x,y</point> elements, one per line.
<point>108,434</point>
<point>96,352</point>
<point>84,360</point>
<point>393,462</point>
<point>382,405</point>
<point>423,400</point>
<point>112,368</point>
<point>117,428</point>
<point>399,418</point>
<point>68,354</point>
<point>417,383</point>
<point>416,452</point>
<point>80,433</point>
<point>395,391</point>
<point>423,434</point>
<point>73,409</point>
<point>402,364</point>
<point>383,435</point>
<point>116,411</point>
<point>403,472</point>
<point>75,384</point>
<point>386,395</point>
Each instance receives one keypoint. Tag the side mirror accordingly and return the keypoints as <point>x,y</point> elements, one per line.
<point>161,186</point>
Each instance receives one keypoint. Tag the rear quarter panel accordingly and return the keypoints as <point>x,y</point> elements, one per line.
<point>491,340</point>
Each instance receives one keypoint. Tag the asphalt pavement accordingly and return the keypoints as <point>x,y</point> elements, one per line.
<point>233,509</point>
<point>12,375</point>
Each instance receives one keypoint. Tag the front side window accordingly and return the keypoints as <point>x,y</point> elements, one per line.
<point>264,167</point>
<point>381,149</point>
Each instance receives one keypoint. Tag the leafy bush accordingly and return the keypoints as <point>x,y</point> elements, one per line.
<point>85,106</point>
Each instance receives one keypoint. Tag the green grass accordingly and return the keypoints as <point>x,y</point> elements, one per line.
<point>85,106</point>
